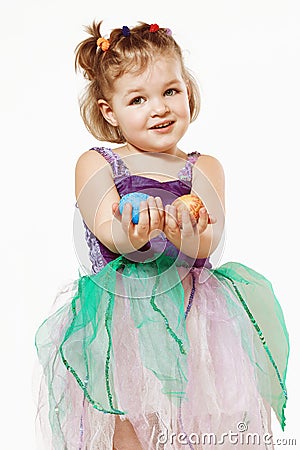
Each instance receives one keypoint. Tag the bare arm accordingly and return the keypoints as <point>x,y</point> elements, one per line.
<point>97,198</point>
<point>95,192</point>
<point>201,239</point>
<point>209,185</point>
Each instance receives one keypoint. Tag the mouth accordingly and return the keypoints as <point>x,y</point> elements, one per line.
<point>161,125</point>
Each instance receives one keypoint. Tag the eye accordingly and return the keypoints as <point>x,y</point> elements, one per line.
<point>170,92</point>
<point>137,101</point>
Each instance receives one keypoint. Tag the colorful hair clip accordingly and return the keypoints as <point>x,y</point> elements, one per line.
<point>125,31</point>
<point>168,31</point>
<point>103,44</point>
<point>153,28</point>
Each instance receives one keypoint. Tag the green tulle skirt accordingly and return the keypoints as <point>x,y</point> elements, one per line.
<point>190,350</point>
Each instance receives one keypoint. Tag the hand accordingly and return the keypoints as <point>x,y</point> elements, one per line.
<point>151,221</point>
<point>187,238</point>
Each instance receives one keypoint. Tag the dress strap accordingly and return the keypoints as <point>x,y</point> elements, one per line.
<point>118,166</point>
<point>186,173</point>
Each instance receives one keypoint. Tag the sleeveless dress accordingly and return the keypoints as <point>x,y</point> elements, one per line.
<point>190,354</point>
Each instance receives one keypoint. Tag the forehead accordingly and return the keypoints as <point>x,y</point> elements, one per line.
<point>159,70</point>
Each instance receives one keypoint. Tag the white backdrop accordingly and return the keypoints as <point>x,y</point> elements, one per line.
<point>245,55</point>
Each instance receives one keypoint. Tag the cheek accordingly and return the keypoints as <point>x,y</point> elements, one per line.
<point>183,106</point>
<point>185,113</point>
<point>132,119</point>
<point>129,124</point>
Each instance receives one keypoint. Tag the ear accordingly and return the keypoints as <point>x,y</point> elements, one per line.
<point>107,112</point>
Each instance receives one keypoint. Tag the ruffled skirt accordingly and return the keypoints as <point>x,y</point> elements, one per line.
<point>193,358</point>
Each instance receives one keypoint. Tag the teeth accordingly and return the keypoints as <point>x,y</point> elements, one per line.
<point>163,125</point>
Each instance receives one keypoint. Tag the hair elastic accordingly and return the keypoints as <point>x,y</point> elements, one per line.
<point>103,43</point>
<point>125,31</point>
<point>153,28</point>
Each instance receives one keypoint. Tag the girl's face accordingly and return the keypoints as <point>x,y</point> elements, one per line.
<point>151,108</point>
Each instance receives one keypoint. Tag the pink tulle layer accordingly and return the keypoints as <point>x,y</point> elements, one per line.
<point>223,407</point>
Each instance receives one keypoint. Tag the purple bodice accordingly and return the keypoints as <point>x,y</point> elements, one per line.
<point>126,183</point>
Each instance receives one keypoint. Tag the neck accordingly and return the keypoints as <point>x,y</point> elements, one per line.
<point>175,151</point>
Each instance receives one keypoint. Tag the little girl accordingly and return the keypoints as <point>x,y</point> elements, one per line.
<point>155,348</point>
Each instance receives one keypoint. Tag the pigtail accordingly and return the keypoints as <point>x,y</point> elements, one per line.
<point>86,54</point>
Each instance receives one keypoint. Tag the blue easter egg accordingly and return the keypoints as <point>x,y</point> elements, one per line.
<point>135,198</point>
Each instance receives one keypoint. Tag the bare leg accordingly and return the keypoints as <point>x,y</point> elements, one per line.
<point>268,410</point>
<point>125,437</point>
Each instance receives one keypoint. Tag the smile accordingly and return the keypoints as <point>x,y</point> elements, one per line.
<point>162,125</point>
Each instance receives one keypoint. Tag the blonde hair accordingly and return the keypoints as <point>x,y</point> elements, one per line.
<point>125,53</point>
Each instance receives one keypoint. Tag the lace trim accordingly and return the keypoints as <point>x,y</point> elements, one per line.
<point>95,254</point>
<point>186,173</point>
<point>119,168</point>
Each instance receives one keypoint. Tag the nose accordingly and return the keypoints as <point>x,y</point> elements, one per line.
<point>159,107</point>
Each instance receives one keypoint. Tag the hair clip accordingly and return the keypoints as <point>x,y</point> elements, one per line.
<point>168,32</point>
<point>153,28</point>
<point>125,31</point>
<point>103,44</point>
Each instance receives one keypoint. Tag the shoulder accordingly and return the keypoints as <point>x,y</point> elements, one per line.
<point>208,173</point>
<point>210,166</point>
<point>91,161</point>
<point>91,158</point>
<point>89,164</point>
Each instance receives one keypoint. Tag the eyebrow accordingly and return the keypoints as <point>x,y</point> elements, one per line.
<point>142,88</point>
<point>132,91</point>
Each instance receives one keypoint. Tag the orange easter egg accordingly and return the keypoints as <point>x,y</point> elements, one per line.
<point>192,203</point>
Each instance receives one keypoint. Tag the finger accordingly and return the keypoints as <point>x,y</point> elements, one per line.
<point>161,211</point>
<point>116,212</point>
<point>127,216</point>
<point>160,206</point>
<point>171,218</point>
<point>203,220</point>
<point>211,219</point>
<point>154,216</point>
<point>143,223</point>
<point>187,225</point>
